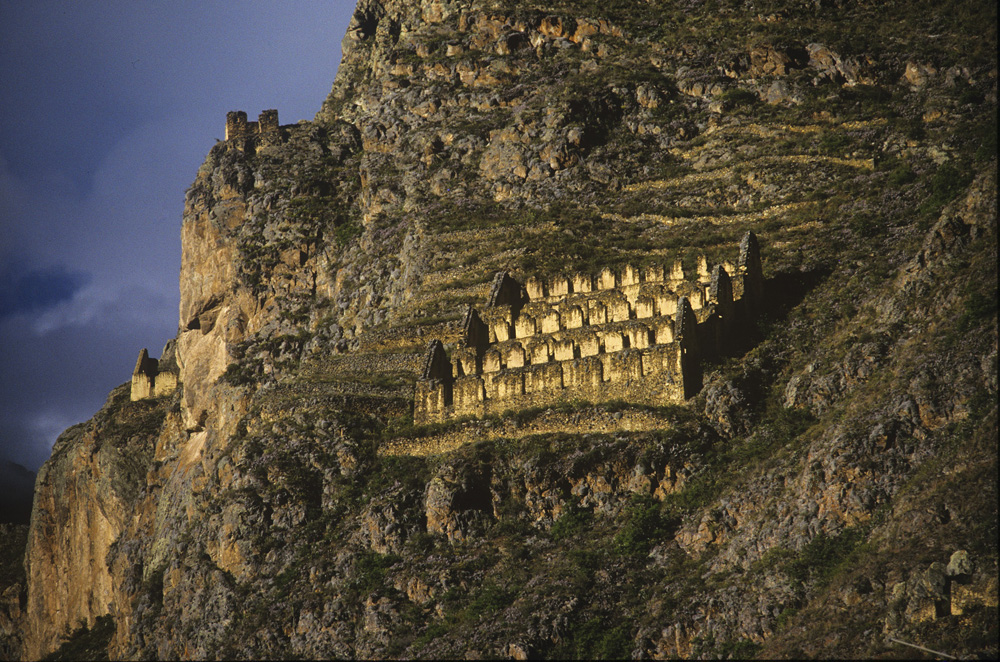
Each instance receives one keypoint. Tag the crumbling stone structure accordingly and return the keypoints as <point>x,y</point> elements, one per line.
<point>154,378</point>
<point>631,335</point>
<point>250,136</point>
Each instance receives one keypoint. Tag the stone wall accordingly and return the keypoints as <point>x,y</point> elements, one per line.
<point>248,136</point>
<point>629,334</point>
<point>154,378</point>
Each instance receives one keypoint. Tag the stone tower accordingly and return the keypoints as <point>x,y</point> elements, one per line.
<point>248,136</point>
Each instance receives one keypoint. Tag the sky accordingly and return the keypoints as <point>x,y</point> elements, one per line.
<point>107,109</point>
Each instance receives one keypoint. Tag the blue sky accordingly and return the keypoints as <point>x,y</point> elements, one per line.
<point>106,111</point>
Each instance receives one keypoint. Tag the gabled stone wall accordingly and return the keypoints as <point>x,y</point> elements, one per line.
<point>154,378</point>
<point>628,334</point>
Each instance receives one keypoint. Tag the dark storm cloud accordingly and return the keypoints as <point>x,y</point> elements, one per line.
<point>24,289</point>
<point>106,111</point>
<point>47,386</point>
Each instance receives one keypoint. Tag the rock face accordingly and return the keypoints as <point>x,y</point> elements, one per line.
<point>832,483</point>
<point>12,595</point>
<point>102,466</point>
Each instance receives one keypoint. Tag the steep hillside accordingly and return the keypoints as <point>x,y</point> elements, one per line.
<point>829,490</point>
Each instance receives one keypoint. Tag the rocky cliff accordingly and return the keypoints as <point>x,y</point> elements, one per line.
<point>830,490</point>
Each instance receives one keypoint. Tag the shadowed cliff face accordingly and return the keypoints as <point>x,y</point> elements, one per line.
<point>85,497</point>
<point>833,483</point>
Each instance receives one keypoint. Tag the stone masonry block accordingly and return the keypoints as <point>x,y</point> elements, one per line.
<point>660,359</point>
<point>606,279</point>
<point>500,331</point>
<point>548,322</point>
<point>590,345</point>
<point>618,310</point>
<point>543,378</point>
<point>703,274</point>
<point>626,367</point>
<point>500,320</point>
<point>612,341</point>
<point>639,335</point>
<point>628,275</point>
<point>510,385</point>
<point>645,306</point>
<point>582,283</point>
<point>533,383</point>
<point>539,351</point>
<point>429,401</point>
<point>490,380</point>
<point>653,274</point>
<point>524,326</point>
<point>663,330</point>
<point>677,271</point>
<point>465,361</point>
<point>469,395</point>
<point>535,288</point>
<point>597,312</point>
<point>572,317</point>
<point>492,360</point>
<point>586,374</point>
<point>562,350</point>
<point>513,355</point>
<point>695,293</point>
<point>166,383</point>
<point>553,376</point>
<point>558,286</point>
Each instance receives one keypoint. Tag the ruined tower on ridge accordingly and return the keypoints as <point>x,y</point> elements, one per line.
<point>250,136</point>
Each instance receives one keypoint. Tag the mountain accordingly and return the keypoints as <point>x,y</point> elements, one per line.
<point>566,329</point>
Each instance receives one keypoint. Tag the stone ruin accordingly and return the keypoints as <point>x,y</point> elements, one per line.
<point>154,378</point>
<point>250,136</point>
<point>624,335</point>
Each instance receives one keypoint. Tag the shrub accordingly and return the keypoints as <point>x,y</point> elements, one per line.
<point>985,137</point>
<point>596,639</point>
<point>490,600</point>
<point>433,631</point>
<point>243,373</point>
<point>835,144</point>
<point>744,649</point>
<point>820,560</point>
<point>901,175</point>
<point>143,419</point>
<point>787,423</point>
<point>948,181</point>
<point>644,525</point>
<point>370,570</point>
<point>866,226</point>
<point>738,97</point>
<point>977,308</point>
<point>573,521</point>
<point>87,643</point>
